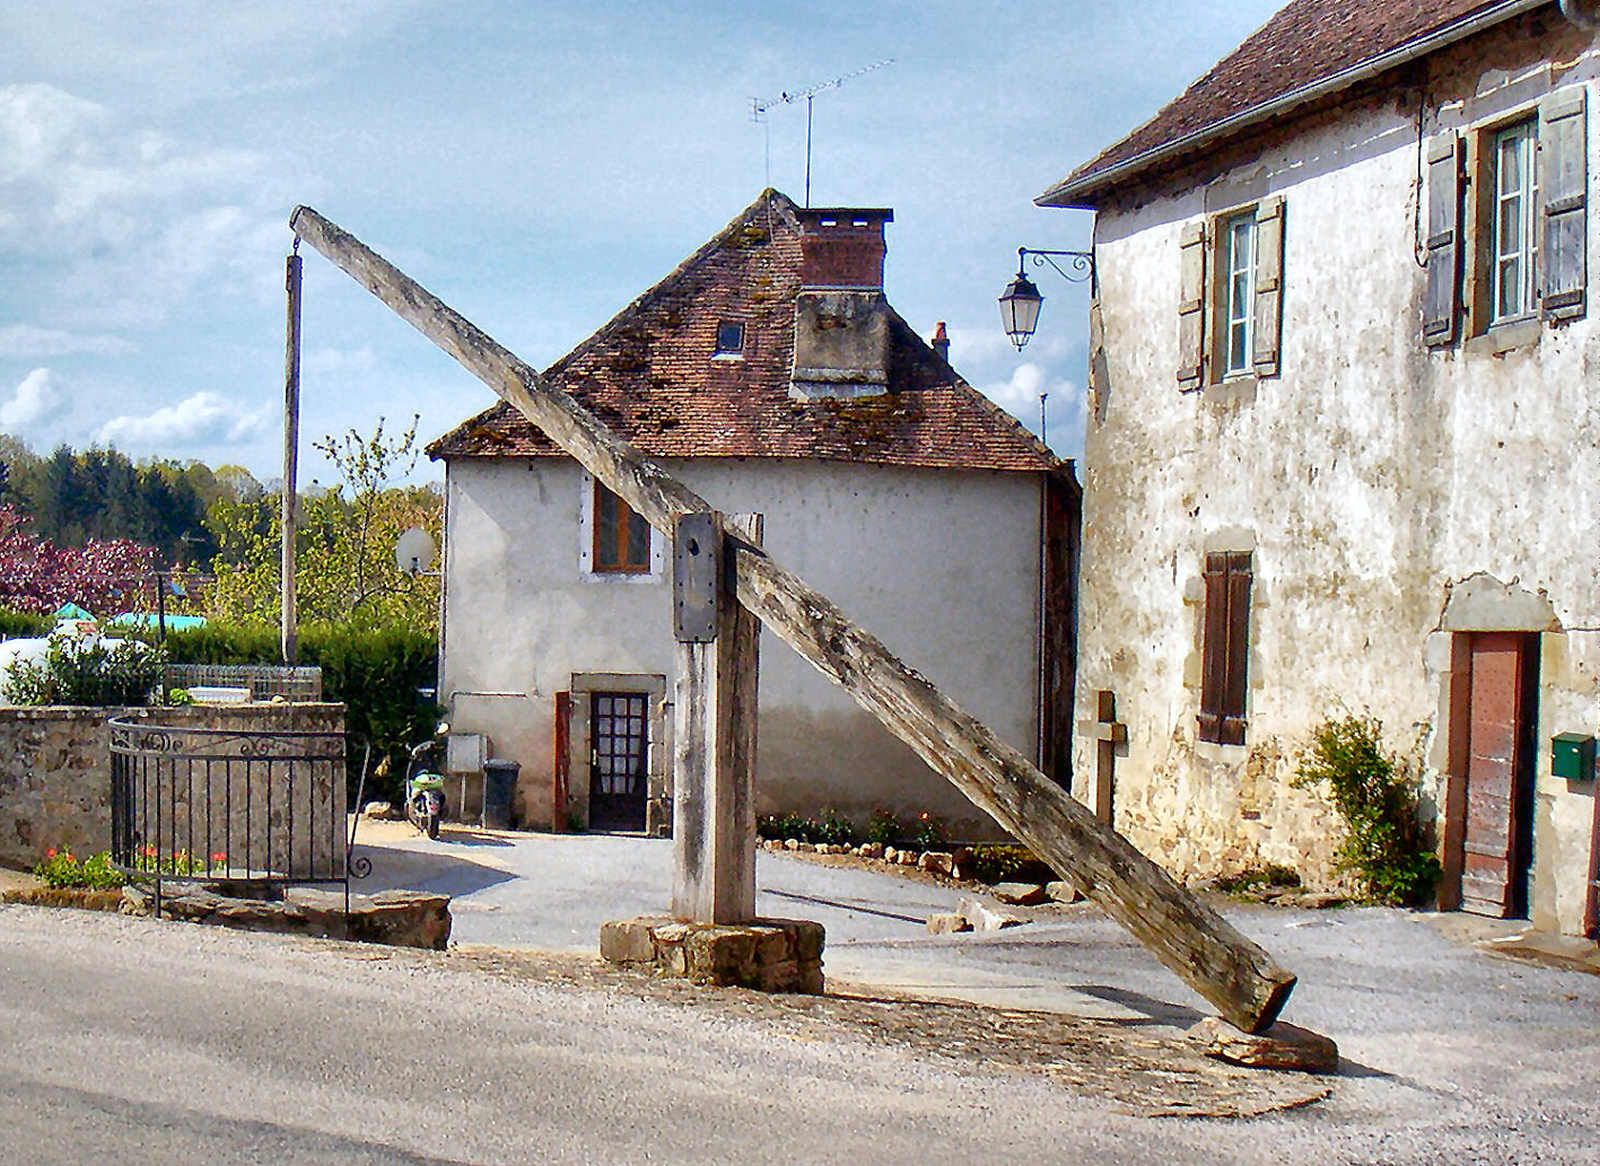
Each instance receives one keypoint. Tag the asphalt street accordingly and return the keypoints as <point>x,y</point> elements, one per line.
<point>131,1039</point>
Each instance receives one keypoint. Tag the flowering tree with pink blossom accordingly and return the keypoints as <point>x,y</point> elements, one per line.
<point>105,576</point>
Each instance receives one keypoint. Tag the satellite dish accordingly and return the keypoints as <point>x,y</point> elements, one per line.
<point>415,552</point>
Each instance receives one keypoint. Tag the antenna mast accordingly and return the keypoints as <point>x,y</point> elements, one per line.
<point>759,108</point>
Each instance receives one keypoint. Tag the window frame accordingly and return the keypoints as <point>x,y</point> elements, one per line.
<point>718,351</point>
<point>1235,312</point>
<point>628,562</point>
<point>1529,219</point>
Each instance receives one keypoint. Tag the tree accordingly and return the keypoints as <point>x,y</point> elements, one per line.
<point>344,546</point>
<point>104,576</point>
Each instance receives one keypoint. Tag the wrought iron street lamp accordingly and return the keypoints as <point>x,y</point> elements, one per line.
<point>1021,301</point>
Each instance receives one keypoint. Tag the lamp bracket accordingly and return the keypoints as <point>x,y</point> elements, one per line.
<point>1079,268</point>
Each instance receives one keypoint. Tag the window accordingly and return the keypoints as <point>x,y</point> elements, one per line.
<point>1225,647</point>
<point>730,338</point>
<point>1511,244</point>
<point>1237,293</point>
<point>621,536</point>
<point>1230,312</point>
<point>1514,240</point>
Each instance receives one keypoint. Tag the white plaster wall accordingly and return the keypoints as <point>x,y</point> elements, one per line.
<point>942,566</point>
<point>1368,479</point>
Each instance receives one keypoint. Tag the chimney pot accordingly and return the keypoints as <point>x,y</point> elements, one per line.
<point>941,342</point>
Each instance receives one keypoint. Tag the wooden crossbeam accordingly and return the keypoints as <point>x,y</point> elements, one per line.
<point>1233,973</point>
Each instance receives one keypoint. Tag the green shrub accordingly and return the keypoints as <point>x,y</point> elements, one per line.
<point>61,869</point>
<point>928,832</point>
<point>884,828</point>
<point>1385,843</point>
<point>834,828</point>
<point>88,672</point>
<point>375,671</point>
<point>1257,878</point>
<point>16,624</point>
<point>1006,863</point>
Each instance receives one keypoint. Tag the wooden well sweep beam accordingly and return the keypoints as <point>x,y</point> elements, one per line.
<point>1234,974</point>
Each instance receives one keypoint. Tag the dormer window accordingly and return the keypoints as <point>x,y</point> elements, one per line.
<point>730,338</point>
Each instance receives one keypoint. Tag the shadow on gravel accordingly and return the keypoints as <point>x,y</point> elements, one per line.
<point>1159,1011</point>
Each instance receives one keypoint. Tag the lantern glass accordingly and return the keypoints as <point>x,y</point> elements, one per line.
<point>1019,310</point>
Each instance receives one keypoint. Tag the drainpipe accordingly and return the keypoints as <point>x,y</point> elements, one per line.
<point>1581,13</point>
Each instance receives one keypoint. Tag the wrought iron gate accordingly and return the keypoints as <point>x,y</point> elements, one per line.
<point>228,805</point>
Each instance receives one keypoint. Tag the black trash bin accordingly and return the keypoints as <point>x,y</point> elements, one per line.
<point>499,780</point>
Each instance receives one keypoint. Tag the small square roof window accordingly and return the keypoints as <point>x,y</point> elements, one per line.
<point>730,338</point>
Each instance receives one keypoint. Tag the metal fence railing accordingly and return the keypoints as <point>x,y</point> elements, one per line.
<point>264,681</point>
<point>228,805</point>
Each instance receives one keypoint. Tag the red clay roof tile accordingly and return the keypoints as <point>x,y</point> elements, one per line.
<point>651,375</point>
<point>1306,42</point>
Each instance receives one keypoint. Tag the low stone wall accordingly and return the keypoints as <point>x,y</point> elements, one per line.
<point>55,767</point>
<point>771,955</point>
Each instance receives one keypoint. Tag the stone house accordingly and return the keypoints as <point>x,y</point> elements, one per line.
<point>769,373</point>
<point>1343,449</point>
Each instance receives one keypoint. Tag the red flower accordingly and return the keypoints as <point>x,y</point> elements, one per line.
<point>51,853</point>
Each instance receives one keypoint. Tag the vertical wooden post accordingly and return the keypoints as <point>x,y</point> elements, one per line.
<point>562,773</point>
<point>714,747</point>
<point>290,637</point>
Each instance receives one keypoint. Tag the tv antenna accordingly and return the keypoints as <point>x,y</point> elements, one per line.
<point>759,108</point>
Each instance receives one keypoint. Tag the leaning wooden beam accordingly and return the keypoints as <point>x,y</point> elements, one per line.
<point>1234,974</point>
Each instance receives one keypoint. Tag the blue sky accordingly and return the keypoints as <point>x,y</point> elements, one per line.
<point>536,165</point>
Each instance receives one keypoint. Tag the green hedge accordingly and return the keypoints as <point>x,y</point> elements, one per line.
<point>14,624</point>
<point>375,672</point>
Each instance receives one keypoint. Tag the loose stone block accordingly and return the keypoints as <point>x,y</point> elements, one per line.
<point>772,955</point>
<point>983,917</point>
<point>1062,891</point>
<point>1019,894</point>
<point>947,924</point>
<point>1283,1046</point>
<point>937,862</point>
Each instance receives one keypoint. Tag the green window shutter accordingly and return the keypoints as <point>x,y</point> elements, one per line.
<point>1192,307</point>
<point>1564,184</point>
<point>1268,329</point>
<point>1442,300</point>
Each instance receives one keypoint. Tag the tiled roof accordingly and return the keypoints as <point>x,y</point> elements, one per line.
<point>650,375</point>
<point>1309,44</point>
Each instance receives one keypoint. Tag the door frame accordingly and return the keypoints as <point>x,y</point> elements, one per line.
<point>658,763</point>
<point>1524,777</point>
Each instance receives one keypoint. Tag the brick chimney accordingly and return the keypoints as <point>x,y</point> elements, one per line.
<point>841,323</point>
<point>941,342</point>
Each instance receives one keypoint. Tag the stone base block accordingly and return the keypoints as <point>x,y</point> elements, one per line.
<point>1282,1046</point>
<point>771,955</point>
<point>391,918</point>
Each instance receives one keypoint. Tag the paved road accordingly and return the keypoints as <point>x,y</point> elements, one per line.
<point>127,1039</point>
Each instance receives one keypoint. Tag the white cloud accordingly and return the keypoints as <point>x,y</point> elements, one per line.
<point>27,341</point>
<point>333,361</point>
<point>203,419</point>
<point>1019,396</point>
<point>133,219</point>
<point>35,399</point>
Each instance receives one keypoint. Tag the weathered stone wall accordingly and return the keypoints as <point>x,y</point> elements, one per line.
<point>55,768</point>
<point>1374,481</point>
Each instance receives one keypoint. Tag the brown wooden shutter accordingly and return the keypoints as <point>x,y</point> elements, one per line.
<point>1231,731</point>
<point>1225,648</point>
<point>1564,183</point>
<point>1192,308</point>
<point>1442,303</point>
<point>1213,648</point>
<point>1269,287</point>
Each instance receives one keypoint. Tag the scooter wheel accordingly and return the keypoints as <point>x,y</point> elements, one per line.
<point>433,826</point>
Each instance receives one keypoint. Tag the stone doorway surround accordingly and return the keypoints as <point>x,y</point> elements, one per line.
<point>658,793</point>
<point>1474,606</point>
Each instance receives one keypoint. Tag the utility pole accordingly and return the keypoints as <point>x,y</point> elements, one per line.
<point>290,636</point>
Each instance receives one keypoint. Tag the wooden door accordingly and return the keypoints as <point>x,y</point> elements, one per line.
<point>619,753</point>
<point>1496,833</point>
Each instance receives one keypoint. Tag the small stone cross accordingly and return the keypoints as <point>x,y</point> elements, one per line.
<point>1108,733</point>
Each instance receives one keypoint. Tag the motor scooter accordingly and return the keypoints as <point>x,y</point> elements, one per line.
<point>425,802</point>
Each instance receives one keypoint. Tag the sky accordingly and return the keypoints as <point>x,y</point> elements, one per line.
<point>535,165</point>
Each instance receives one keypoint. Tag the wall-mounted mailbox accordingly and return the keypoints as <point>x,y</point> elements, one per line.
<point>1572,756</point>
